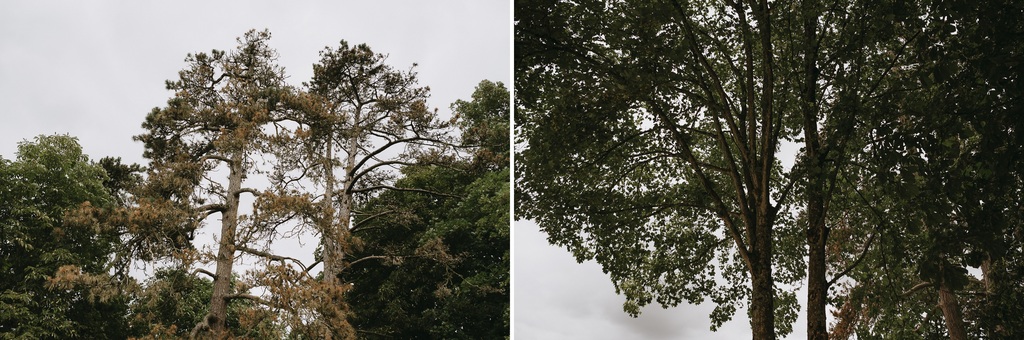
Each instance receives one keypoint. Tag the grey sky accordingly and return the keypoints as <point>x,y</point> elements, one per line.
<point>93,69</point>
<point>557,298</point>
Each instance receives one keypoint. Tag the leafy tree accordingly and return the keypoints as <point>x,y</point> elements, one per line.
<point>439,267</point>
<point>651,132</point>
<point>954,202</point>
<point>55,257</point>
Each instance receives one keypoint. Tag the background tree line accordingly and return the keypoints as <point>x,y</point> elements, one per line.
<point>410,211</point>
<point>652,131</point>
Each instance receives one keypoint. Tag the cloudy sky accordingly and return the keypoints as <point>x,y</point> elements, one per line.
<point>93,69</point>
<point>557,298</point>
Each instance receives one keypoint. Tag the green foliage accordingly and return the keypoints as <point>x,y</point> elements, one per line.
<point>484,123</point>
<point>942,180</point>
<point>643,147</point>
<point>43,193</point>
<point>438,266</point>
<point>174,300</point>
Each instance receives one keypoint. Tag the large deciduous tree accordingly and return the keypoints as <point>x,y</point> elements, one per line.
<point>947,167</point>
<point>650,132</point>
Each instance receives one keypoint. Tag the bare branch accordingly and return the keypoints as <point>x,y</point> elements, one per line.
<point>855,263</point>
<point>360,174</point>
<point>311,266</point>
<point>374,257</point>
<point>918,287</point>
<point>213,207</point>
<point>216,157</point>
<point>250,297</point>
<point>425,191</point>
<point>252,191</point>
<point>204,271</point>
<point>361,222</point>
<point>269,256</point>
<point>389,145</point>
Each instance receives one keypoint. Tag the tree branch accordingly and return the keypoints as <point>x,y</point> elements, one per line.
<point>269,256</point>
<point>250,297</point>
<point>216,157</point>
<point>389,145</point>
<point>204,271</point>
<point>855,263</point>
<point>360,174</point>
<point>251,191</point>
<point>918,287</point>
<point>361,222</point>
<point>213,207</point>
<point>425,191</point>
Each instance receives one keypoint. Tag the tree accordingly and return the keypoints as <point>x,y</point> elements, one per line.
<point>678,108</point>
<point>359,121</point>
<point>214,126</point>
<point>51,245</point>
<point>650,133</point>
<point>954,203</point>
<point>439,268</point>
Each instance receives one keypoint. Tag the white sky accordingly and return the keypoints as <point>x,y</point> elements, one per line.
<point>94,69</point>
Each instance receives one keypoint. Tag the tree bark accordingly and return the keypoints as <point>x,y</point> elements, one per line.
<point>217,316</point>
<point>328,227</point>
<point>762,304</point>
<point>951,313</point>
<point>817,231</point>
<point>817,283</point>
<point>334,244</point>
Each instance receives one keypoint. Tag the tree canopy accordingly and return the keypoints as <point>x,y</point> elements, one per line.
<point>651,135</point>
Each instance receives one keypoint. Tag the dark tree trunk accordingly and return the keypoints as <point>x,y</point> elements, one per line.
<point>762,304</point>
<point>951,313</point>
<point>817,284</point>
<point>817,231</point>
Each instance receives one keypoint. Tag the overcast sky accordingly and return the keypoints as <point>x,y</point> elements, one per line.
<point>94,69</point>
<point>557,298</point>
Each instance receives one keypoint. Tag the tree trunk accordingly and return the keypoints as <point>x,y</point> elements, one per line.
<point>762,304</point>
<point>951,313</point>
<point>328,227</point>
<point>817,284</point>
<point>216,319</point>
<point>817,231</point>
<point>336,243</point>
